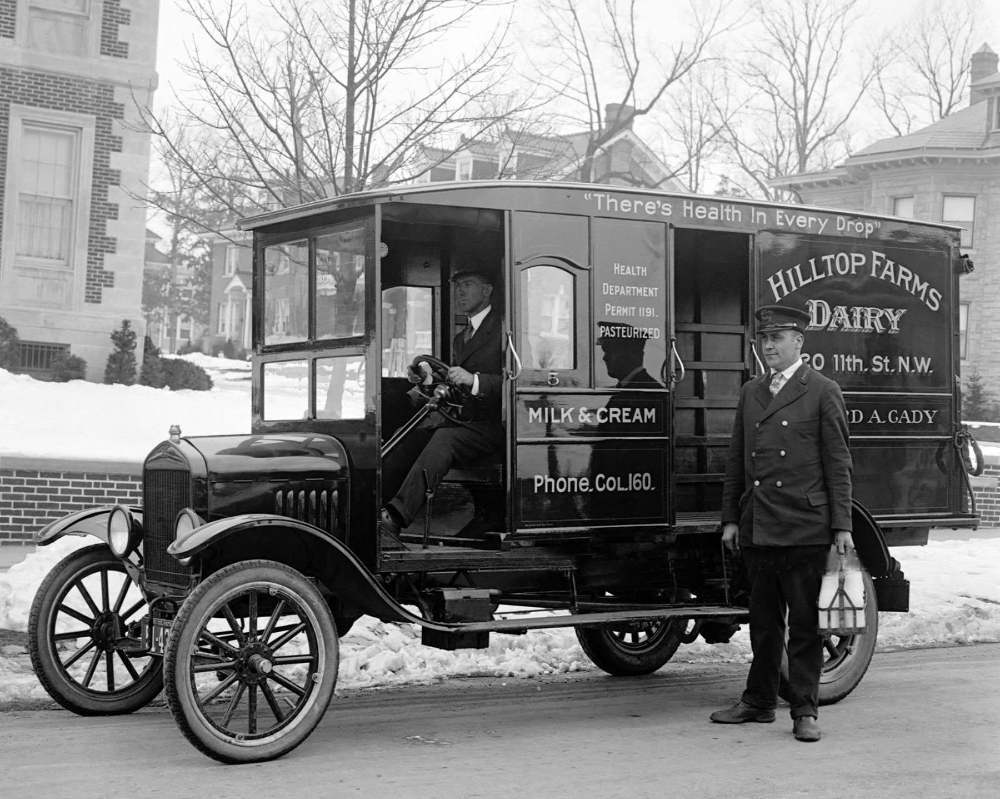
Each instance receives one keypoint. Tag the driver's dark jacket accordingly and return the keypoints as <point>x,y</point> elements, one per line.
<point>484,354</point>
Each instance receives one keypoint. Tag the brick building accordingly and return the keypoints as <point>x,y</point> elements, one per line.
<point>950,172</point>
<point>72,240</point>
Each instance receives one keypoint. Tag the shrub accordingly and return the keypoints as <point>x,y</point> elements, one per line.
<point>10,347</point>
<point>152,373</point>
<point>184,374</point>
<point>121,366</point>
<point>189,347</point>
<point>66,367</point>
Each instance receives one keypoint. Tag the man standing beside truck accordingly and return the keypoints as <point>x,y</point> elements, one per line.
<point>786,499</point>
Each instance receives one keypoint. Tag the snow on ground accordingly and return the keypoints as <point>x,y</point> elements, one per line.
<point>955,585</point>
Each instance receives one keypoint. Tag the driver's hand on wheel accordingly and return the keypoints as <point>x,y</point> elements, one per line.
<point>460,376</point>
<point>416,375</point>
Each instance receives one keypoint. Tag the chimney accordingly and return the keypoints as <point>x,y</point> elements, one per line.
<point>983,64</point>
<point>615,112</point>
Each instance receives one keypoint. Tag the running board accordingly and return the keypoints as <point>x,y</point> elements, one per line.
<point>729,613</point>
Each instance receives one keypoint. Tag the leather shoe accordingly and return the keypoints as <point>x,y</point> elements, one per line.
<point>805,728</point>
<point>742,712</point>
<point>388,529</point>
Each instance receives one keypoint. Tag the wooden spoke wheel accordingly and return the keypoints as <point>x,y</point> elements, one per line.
<point>631,648</point>
<point>84,636</point>
<point>251,662</point>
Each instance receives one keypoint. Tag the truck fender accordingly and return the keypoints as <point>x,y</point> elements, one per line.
<point>344,571</point>
<point>869,542</point>
<point>88,522</point>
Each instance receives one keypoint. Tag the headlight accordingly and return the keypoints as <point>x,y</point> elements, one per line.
<point>187,520</point>
<point>124,532</point>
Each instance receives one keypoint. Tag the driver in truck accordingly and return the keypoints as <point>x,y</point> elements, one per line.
<point>437,444</point>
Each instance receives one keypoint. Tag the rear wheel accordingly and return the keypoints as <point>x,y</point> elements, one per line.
<point>845,657</point>
<point>629,649</point>
<point>251,662</point>
<point>83,636</point>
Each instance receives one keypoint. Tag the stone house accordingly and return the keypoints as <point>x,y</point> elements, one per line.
<point>72,239</point>
<point>948,172</point>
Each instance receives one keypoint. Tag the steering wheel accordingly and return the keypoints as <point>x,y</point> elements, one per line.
<point>451,399</point>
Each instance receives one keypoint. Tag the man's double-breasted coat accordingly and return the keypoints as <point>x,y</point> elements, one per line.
<point>788,475</point>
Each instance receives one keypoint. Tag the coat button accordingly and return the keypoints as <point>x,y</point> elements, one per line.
<point>782,453</point>
<point>784,424</point>
<point>756,482</point>
<point>753,454</point>
<point>778,484</point>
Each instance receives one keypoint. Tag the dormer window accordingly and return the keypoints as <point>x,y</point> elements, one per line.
<point>463,169</point>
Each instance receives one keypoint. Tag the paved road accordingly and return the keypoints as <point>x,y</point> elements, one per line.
<point>921,725</point>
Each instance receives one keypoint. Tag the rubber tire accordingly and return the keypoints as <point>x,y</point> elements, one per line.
<point>842,674</point>
<point>45,660</point>
<point>197,611</point>
<point>618,659</point>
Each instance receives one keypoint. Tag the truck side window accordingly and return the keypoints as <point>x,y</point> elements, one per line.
<point>340,387</point>
<point>285,389</point>
<point>340,284</point>
<point>548,318</point>
<point>407,327</point>
<point>286,293</point>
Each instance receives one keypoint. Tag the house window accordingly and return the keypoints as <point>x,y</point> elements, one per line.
<point>232,260</point>
<point>36,357</point>
<point>463,169</point>
<point>59,26</point>
<point>960,211</point>
<point>47,193</point>
<point>903,206</point>
<point>963,330</point>
<point>223,326</point>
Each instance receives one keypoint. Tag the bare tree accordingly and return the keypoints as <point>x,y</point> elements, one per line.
<point>304,99</point>
<point>802,82</point>
<point>598,62</point>
<point>694,123</point>
<point>929,74</point>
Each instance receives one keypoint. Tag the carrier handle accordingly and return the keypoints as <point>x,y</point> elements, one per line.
<point>677,357</point>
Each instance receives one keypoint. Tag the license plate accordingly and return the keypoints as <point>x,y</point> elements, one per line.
<point>158,636</point>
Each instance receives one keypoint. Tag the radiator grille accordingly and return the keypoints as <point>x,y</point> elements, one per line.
<point>165,493</point>
<point>317,507</point>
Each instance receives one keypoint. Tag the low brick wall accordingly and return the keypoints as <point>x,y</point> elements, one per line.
<point>986,488</point>
<point>34,491</point>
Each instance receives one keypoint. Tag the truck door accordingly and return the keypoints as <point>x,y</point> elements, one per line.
<point>590,405</point>
<point>711,273</point>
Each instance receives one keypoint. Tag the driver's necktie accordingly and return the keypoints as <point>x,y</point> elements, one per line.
<point>776,380</point>
<point>469,330</point>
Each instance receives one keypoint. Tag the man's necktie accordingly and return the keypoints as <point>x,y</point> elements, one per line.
<point>469,330</point>
<point>777,379</point>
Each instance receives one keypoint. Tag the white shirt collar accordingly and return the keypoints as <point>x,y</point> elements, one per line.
<point>790,370</point>
<point>477,320</point>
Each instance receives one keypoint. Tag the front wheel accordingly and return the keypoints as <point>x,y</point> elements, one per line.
<point>629,649</point>
<point>251,662</point>
<point>845,657</point>
<point>83,636</point>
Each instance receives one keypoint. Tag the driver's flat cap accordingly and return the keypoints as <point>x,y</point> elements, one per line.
<point>781,317</point>
<point>483,274</point>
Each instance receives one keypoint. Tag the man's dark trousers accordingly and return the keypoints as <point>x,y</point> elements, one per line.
<point>785,580</point>
<point>434,446</point>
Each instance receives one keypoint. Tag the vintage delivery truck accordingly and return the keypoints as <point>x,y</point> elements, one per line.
<point>627,329</point>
